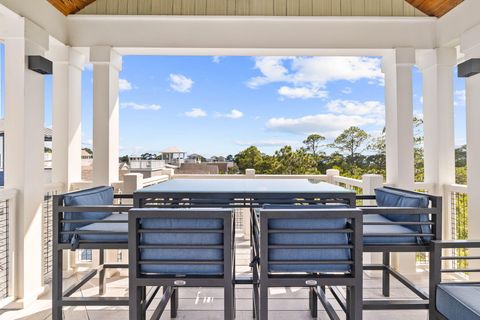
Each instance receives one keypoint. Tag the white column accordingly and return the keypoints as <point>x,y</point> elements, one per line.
<point>67,114</point>
<point>470,47</point>
<point>472,88</point>
<point>24,152</point>
<point>438,116</point>
<point>106,67</point>
<point>438,123</point>
<point>399,131</point>
<point>399,116</point>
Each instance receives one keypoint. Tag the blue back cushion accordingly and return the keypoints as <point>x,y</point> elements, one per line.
<point>94,196</point>
<point>163,238</point>
<point>316,238</point>
<point>398,199</point>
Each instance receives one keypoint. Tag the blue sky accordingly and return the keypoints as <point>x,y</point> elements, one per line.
<point>221,105</point>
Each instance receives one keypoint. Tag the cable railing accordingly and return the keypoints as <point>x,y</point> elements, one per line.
<point>47,228</point>
<point>458,217</point>
<point>7,242</point>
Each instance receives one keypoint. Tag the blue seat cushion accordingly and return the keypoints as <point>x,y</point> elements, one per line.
<point>388,229</point>
<point>398,199</point>
<point>110,232</point>
<point>459,301</point>
<point>179,238</point>
<point>94,196</point>
<point>319,238</point>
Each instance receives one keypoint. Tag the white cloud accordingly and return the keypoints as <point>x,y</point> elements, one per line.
<point>329,125</point>
<point>89,67</point>
<point>460,98</point>
<point>233,114</point>
<point>138,106</point>
<point>124,85</point>
<point>196,113</point>
<point>216,59</point>
<point>302,92</point>
<point>180,83</point>
<point>316,71</point>
<point>267,143</point>
<point>373,109</point>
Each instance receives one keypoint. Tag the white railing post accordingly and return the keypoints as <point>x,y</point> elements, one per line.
<point>132,182</point>
<point>331,174</point>
<point>370,183</point>
<point>250,173</point>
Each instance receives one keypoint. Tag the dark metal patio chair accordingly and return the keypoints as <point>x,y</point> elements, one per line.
<point>402,221</point>
<point>454,300</point>
<point>179,248</point>
<point>308,247</point>
<point>88,219</point>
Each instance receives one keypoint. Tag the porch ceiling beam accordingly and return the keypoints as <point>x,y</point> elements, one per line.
<point>252,32</point>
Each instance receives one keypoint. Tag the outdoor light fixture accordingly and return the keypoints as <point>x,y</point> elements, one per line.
<point>40,64</point>
<point>469,68</point>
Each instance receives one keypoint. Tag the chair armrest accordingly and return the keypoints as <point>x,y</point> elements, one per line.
<point>456,244</point>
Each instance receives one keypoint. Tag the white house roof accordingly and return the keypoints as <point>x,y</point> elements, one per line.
<point>172,150</point>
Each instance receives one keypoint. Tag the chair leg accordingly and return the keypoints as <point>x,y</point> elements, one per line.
<point>57,284</point>
<point>229,313</point>
<point>313,302</point>
<point>386,275</point>
<point>255,301</point>
<point>101,275</point>
<point>174,303</point>
<point>263,315</point>
<point>136,308</point>
<point>354,303</point>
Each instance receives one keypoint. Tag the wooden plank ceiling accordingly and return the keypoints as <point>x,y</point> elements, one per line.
<point>434,8</point>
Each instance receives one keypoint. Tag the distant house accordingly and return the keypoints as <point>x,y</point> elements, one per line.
<point>195,158</point>
<point>173,155</point>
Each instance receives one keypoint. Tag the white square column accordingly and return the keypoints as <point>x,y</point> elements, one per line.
<point>438,122</point>
<point>67,114</point>
<point>24,152</point>
<point>399,117</point>
<point>470,46</point>
<point>399,132</point>
<point>438,116</point>
<point>106,67</point>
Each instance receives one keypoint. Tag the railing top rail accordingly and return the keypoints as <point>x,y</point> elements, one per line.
<point>243,176</point>
<point>348,181</point>
<point>7,194</point>
<point>55,186</point>
<point>460,188</point>
<point>154,180</point>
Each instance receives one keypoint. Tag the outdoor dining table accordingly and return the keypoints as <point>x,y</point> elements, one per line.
<point>241,193</point>
<point>237,193</point>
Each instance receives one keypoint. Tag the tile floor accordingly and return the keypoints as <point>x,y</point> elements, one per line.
<point>203,304</point>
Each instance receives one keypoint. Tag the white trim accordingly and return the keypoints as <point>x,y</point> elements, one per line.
<point>192,33</point>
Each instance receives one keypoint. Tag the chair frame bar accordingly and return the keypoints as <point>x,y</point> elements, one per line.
<point>63,297</point>
<point>435,222</point>
<point>170,283</point>
<point>317,282</point>
<point>436,272</point>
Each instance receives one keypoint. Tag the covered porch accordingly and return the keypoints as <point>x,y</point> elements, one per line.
<point>108,30</point>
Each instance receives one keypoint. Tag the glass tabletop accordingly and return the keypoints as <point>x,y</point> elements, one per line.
<point>244,186</point>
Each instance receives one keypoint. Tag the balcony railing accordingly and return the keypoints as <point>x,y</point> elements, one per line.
<point>7,242</point>
<point>47,227</point>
